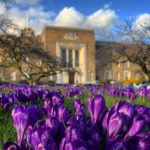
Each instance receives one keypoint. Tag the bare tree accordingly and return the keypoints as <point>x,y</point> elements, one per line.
<point>134,45</point>
<point>22,50</point>
<point>24,53</point>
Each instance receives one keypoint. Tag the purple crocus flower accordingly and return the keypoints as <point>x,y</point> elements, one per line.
<point>20,121</point>
<point>136,127</point>
<point>120,145</point>
<point>10,146</point>
<point>35,113</point>
<point>73,145</point>
<point>57,100</point>
<point>142,91</point>
<point>126,108</point>
<point>143,144</point>
<point>53,124</point>
<point>93,139</point>
<point>95,106</point>
<point>41,138</point>
<point>140,109</point>
<point>115,124</point>
<point>79,109</point>
<point>74,133</point>
<point>48,144</point>
<point>63,113</point>
<point>24,116</point>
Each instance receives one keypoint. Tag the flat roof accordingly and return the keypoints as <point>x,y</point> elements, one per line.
<point>69,28</point>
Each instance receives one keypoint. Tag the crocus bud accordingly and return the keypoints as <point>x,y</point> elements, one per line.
<point>40,134</point>
<point>79,109</point>
<point>136,127</point>
<point>95,106</point>
<point>57,100</point>
<point>115,125</point>
<point>126,109</point>
<point>63,113</point>
<point>20,121</point>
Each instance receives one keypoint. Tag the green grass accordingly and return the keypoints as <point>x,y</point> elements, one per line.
<point>7,130</point>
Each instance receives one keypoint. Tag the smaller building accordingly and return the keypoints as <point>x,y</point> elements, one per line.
<point>110,68</point>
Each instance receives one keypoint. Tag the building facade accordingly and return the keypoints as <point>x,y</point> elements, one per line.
<point>76,48</point>
<point>82,55</point>
<point>114,69</point>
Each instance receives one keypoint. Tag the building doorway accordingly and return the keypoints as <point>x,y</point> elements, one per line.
<point>71,77</point>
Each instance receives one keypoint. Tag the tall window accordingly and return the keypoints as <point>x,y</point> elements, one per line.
<point>118,64</point>
<point>13,76</point>
<point>108,75</point>
<point>70,58</point>
<point>63,57</point>
<point>126,64</point>
<point>1,76</point>
<point>118,76</point>
<point>76,58</point>
<point>126,75</point>
<point>39,62</point>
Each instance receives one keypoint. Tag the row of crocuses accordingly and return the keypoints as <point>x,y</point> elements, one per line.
<point>53,126</point>
<point>25,94</point>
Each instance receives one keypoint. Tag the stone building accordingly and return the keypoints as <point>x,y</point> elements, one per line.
<point>85,60</point>
<point>76,47</point>
<point>113,69</point>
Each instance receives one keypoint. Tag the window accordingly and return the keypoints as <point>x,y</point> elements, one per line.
<point>126,75</point>
<point>118,76</point>
<point>76,58</point>
<point>90,75</point>
<point>1,76</point>
<point>63,57</point>
<point>39,62</point>
<point>126,64</point>
<point>27,59</point>
<point>70,58</point>
<point>13,76</point>
<point>50,78</point>
<point>118,64</point>
<point>22,77</point>
<point>0,59</point>
<point>107,75</point>
<point>108,65</point>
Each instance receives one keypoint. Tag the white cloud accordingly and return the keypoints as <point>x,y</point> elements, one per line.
<point>102,21</point>
<point>142,21</point>
<point>2,8</point>
<point>69,17</point>
<point>37,17</point>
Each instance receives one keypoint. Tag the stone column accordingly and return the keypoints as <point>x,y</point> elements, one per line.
<point>67,56</point>
<point>73,57</point>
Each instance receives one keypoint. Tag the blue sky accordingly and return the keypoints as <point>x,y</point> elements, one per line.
<point>123,8</point>
<point>100,15</point>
